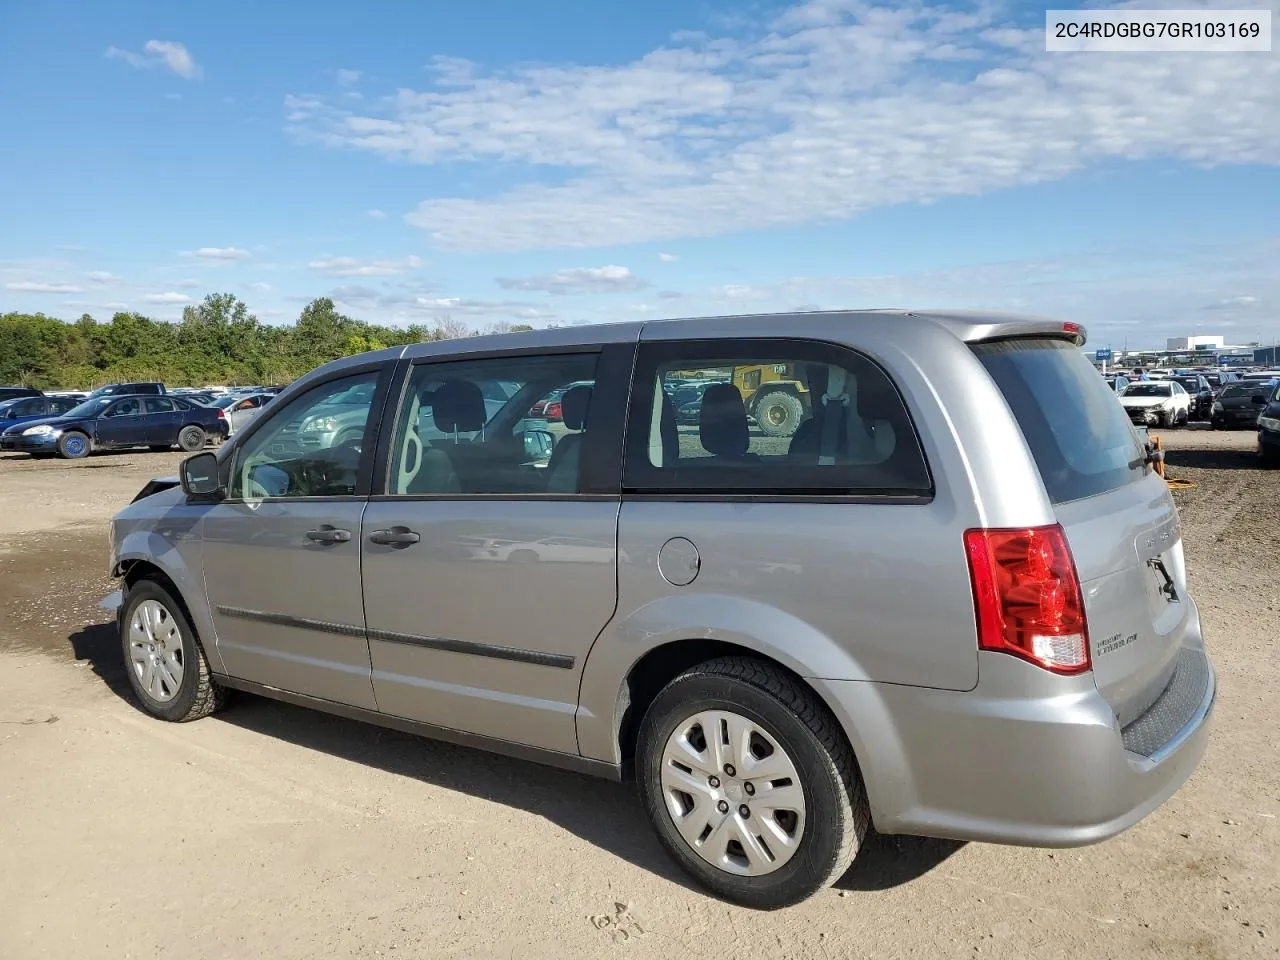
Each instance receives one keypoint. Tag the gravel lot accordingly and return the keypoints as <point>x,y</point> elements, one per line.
<point>275,832</point>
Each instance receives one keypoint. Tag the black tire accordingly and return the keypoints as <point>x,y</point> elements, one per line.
<point>198,695</point>
<point>778,413</point>
<point>191,438</point>
<point>74,445</point>
<point>837,813</point>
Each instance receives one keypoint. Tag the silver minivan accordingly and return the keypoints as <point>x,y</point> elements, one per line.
<point>948,599</point>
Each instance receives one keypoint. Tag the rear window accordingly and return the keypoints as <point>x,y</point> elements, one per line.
<point>1079,435</point>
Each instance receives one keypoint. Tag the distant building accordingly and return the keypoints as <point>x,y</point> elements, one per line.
<point>1267,356</point>
<point>1177,344</point>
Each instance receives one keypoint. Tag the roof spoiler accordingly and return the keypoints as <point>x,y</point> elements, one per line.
<point>975,327</point>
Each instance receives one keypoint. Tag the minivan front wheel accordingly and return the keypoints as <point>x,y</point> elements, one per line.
<point>163,659</point>
<point>750,784</point>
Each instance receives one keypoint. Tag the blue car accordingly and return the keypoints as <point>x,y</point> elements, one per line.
<point>114,423</point>
<point>22,409</point>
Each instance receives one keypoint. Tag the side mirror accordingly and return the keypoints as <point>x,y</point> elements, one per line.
<point>201,476</point>
<point>538,444</point>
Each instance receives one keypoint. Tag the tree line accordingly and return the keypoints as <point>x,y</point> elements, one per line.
<point>217,341</point>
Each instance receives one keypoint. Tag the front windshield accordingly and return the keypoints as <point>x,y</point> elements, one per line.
<point>1147,390</point>
<point>89,407</point>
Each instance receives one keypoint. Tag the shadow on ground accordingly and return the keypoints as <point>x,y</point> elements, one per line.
<point>607,815</point>
<point>1211,460</point>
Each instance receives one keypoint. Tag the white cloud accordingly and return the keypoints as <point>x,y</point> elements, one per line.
<point>222,253</point>
<point>169,297</point>
<point>260,287</point>
<point>832,109</point>
<point>102,276</point>
<point>116,305</point>
<point>376,214</point>
<point>168,53</point>
<point>409,305</point>
<point>610,279</point>
<point>187,284</point>
<point>668,257</point>
<point>348,77</point>
<point>36,286</point>
<point>357,267</point>
<point>1142,295</point>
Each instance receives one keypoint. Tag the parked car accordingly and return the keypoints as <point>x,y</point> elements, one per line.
<point>113,423</point>
<point>241,408</point>
<point>1162,403</point>
<point>1269,429</point>
<point>1117,382</point>
<point>22,409</point>
<point>121,389</point>
<point>956,608</point>
<point>9,393</point>
<point>1201,395</point>
<point>1239,404</point>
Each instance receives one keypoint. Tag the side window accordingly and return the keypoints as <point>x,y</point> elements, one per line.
<point>31,407</point>
<point>125,408</point>
<point>770,417</point>
<point>158,405</point>
<point>314,447</point>
<point>515,425</point>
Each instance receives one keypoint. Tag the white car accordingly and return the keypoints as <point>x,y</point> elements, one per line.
<point>1156,403</point>
<point>241,408</point>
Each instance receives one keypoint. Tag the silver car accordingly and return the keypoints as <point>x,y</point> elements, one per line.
<point>952,604</point>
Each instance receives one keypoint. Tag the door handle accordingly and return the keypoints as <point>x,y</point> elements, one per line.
<point>394,537</point>
<point>328,534</point>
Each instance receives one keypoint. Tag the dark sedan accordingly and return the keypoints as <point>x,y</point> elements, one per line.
<point>22,409</point>
<point>1239,404</point>
<point>1269,429</point>
<point>113,423</point>
<point>1201,392</point>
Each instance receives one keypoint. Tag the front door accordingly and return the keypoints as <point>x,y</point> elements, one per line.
<point>282,552</point>
<point>121,424</point>
<point>490,563</point>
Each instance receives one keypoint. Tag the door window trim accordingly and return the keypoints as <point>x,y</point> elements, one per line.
<point>385,370</point>
<point>641,480</point>
<point>600,469</point>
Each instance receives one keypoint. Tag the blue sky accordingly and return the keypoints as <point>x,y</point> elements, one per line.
<point>578,161</point>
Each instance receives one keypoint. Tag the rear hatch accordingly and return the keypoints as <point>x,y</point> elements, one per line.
<point>1118,515</point>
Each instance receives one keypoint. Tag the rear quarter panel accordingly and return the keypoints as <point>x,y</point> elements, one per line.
<point>874,592</point>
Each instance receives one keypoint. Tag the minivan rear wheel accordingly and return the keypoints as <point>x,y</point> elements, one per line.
<point>749,783</point>
<point>163,658</point>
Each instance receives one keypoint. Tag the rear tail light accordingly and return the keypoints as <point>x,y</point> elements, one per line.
<point>552,411</point>
<point>1027,597</point>
<point>222,414</point>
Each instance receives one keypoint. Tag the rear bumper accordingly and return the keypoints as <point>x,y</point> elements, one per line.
<point>1026,757</point>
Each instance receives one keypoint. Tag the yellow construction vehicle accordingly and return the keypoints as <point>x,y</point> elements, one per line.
<point>774,395</point>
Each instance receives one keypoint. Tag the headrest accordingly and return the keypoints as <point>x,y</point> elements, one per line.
<point>722,424</point>
<point>457,405</point>
<point>573,407</point>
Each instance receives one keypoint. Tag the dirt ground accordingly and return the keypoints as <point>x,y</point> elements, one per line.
<point>270,831</point>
